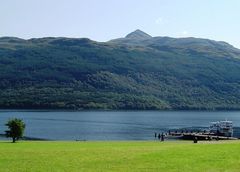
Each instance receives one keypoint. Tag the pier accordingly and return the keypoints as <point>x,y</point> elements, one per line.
<point>198,136</point>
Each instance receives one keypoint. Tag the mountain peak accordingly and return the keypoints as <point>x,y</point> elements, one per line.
<point>138,34</point>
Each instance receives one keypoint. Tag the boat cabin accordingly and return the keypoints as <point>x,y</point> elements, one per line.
<point>222,128</point>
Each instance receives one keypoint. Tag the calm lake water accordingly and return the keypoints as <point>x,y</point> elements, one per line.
<point>129,125</point>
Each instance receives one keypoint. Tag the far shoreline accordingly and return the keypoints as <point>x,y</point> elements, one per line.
<point>114,110</point>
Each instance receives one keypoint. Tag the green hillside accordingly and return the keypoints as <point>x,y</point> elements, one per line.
<point>135,72</point>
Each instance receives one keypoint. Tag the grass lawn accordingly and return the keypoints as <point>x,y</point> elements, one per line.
<point>119,156</point>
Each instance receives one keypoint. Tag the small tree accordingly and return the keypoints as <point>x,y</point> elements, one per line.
<point>16,129</point>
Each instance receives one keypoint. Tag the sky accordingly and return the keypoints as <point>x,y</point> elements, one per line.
<point>103,20</point>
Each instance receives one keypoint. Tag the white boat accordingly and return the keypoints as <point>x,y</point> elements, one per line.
<point>222,128</point>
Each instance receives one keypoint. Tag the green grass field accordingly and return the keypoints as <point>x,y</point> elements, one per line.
<point>119,156</point>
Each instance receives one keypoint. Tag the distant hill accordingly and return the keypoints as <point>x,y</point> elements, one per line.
<point>135,72</point>
<point>138,34</point>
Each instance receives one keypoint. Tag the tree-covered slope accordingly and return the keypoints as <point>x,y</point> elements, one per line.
<point>136,72</point>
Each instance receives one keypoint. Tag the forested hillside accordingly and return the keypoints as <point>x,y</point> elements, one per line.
<point>135,72</point>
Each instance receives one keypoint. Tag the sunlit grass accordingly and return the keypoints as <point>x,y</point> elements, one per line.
<point>119,156</point>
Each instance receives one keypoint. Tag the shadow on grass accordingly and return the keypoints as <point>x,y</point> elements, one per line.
<point>22,139</point>
<point>8,142</point>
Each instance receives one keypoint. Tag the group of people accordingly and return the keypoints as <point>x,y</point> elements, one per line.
<point>160,137</point>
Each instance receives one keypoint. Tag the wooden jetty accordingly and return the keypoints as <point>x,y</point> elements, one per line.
<point>220,130</point>
<point>190,136</point>
<point>198,136</point>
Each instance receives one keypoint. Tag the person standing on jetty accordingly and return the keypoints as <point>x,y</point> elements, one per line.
<point>159,136</point>
<point>195,140</point>
<point>162,137</point>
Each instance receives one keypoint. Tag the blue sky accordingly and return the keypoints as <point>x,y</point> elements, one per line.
<point>103,20</point>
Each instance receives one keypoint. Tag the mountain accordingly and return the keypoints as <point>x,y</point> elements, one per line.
<point>138,34</point>
<point>134,72</point>
<point>186,45</point>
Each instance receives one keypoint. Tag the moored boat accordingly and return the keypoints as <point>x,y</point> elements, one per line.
<point>222,128</point>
